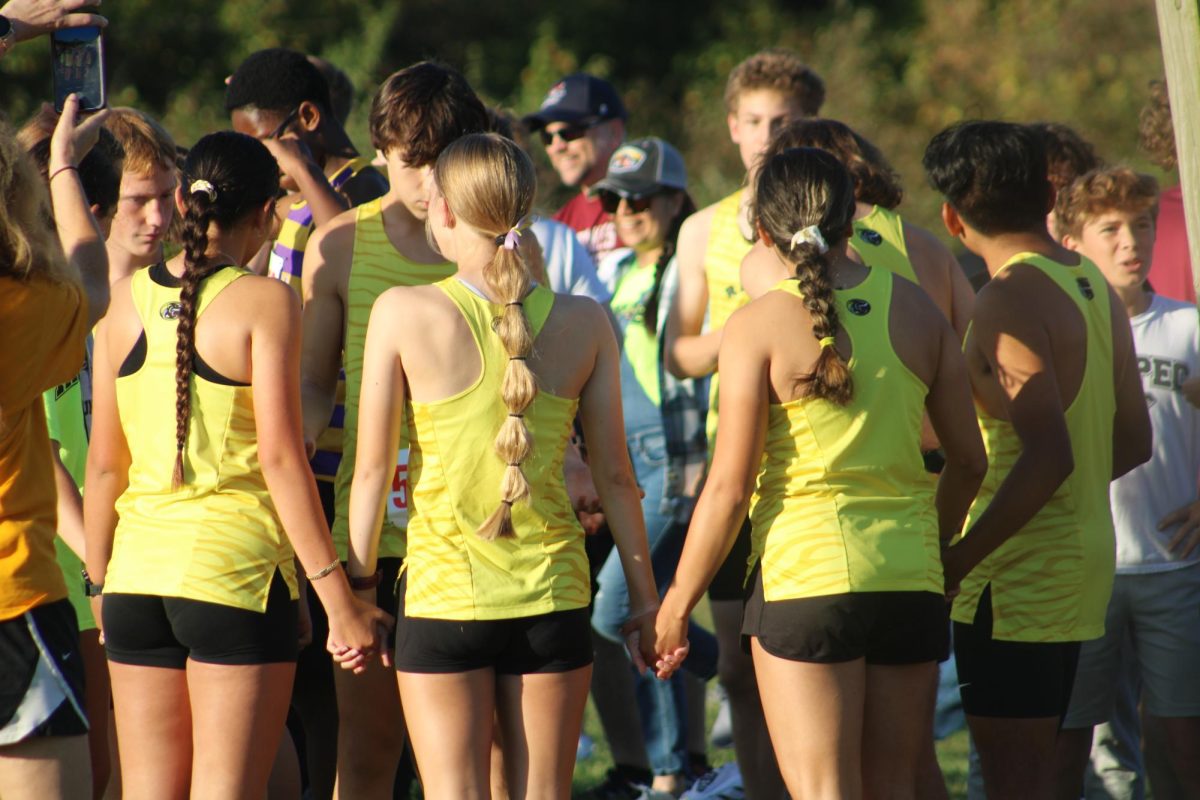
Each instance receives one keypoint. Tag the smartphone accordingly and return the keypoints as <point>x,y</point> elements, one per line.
<point>78,55</point>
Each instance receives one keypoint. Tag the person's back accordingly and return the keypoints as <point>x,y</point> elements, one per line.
<point>1052,368</point>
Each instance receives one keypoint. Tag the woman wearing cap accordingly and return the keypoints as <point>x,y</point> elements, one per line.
<point>824,381</point>
<point>488,370</point>
<point>645,192</point>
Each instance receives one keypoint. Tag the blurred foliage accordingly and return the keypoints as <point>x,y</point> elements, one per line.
<point>897,70</point>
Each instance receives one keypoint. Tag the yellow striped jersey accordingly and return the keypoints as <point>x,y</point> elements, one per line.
<point>217,538</point>
<point>1052,579</point>
<point>879,239</point>
<point>723,274</point>
<point>456,475</point>
<point>843,503</point>
<point>376,266</point>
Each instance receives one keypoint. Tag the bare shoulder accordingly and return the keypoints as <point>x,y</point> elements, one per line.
<point>266,297</point>
<point>577,309</point>
<point>913,302</point>
<point>420,301</point>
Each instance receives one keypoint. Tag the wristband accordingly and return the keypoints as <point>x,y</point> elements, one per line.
<point>367,582</point>
<point>321,573</point>
<point>61,170</point>
<point>91,589</point>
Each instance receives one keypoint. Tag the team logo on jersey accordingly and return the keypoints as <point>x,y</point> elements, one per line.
<point>870,237</point>
<point>556,93</point>
<point>858,307</point>
<point>627,159</point>
<point>1085,288</point>
<point>170,311</point>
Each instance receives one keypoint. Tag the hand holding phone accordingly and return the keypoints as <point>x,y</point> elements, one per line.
<point>78,58</point>
<point>72,140</point>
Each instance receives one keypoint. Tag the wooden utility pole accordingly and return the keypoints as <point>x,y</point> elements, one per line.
<point>1179,31</point>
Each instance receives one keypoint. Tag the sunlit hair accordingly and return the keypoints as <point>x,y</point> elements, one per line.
<point>489,184</point>
<point>147,145</point>
<point>29,244</point>
<point>1156,132</point>
<point>243,176</point>
<point>1068,155</point>
<point>1103,190</point>
<point>781,71</point>
<point>797,188</point>
<point>875,182</point>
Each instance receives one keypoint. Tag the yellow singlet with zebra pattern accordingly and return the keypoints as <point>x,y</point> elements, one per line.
<point>879,239</point>
<point>843,503</point>
<point>723,274</point>
<point>217,538</point>
<point>456,475</point>
<point>376,266</point>
<point>1051,580</point>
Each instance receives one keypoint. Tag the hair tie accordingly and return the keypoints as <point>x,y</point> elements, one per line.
<point>515,303</point>
<point>810,235</point>
<point>826,341</point>
<point>507,503</point>
<point>204,187</point>
<point>517,358</point>
<point>512,239</point>
<point>518,416</point>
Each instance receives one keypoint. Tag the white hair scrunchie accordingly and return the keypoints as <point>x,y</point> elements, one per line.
<point>810,235</point>
<point>204,187</point>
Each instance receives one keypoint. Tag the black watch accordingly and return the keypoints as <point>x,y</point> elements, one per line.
<point>8,35</point>
<point>91,589</point>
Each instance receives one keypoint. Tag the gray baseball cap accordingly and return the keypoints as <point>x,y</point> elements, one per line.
<point>643,166</point>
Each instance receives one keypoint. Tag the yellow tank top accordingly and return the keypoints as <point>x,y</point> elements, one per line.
<point>455,472</point>
<point>217,538</point>
<point>376,266</point>
<point>843,503</point>
<point>723,273</point>
<point>1050,582</point>
<point>879,239</point>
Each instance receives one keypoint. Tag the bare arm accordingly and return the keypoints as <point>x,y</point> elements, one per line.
<point>275,360</point>
<point>722,506</point>
<point>1018,350</point>
<point>327,264</point>
<point>690,353</point>
<point>80,234</point>
<point>952,412</point>
<point>380,413</point>
<point>69,508</point>
<point>1132,432</point>
<point>297,163</point>
<point>32,18</point>
<point>108,461</point>
<point>612,472</point>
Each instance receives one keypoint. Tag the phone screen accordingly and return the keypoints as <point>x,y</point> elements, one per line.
<point>78,67</point>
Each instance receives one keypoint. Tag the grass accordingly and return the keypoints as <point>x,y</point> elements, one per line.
<point>952,751</point>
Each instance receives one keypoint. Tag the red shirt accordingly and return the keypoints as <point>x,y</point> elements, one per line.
<point>1171,269</point>
<point>593,227</point>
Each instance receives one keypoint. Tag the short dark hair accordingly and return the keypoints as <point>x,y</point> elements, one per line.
<point>423,108</point>
<point>99,171</point>
<point>277,80</point>
<point>1068,155</point>
<point>993,174</point>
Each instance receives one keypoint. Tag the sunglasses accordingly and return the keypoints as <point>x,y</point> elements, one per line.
<point>609,201</point>
<point>287,122</point>
<point>568,134</point>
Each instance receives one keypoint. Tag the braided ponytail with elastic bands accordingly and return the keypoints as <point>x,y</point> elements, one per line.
<point>226,177</point>
<point>804,200</point>
<point>489,184</point>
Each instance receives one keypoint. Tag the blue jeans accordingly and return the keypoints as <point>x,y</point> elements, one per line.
<point>661,703</point>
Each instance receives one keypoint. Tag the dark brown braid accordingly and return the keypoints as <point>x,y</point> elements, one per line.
<point>670,242</point>
<point>243,176</point>
<point>797,188</point>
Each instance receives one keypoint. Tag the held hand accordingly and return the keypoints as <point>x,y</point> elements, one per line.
<point>1187,537</point>
<point>32,18</point>
<point>354,639</point>
<point>670,643</point>
<point>639,639</point>
<point>953,571</point>
<point>72,140</point>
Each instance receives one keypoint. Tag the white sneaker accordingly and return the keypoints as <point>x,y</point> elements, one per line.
<point>721,735</point>
<point>723,783</point>
<point>650,793</point>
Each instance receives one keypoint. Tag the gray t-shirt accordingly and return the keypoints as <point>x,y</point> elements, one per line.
<point>1167,340</point>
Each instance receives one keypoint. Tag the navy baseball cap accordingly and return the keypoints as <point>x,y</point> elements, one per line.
<point>578,99</point>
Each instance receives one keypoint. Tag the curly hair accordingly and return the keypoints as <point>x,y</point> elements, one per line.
<point>782,71</point>
<point>1156,133</point>
<point>1104,189</point>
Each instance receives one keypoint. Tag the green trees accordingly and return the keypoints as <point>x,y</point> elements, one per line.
<point>897,70</point>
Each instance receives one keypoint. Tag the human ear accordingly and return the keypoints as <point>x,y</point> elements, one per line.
<point>952,221</point>
<point>308,116</point>
<point>179,206</point>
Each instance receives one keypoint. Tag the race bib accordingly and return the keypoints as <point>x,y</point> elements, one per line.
<point>397,500</point>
